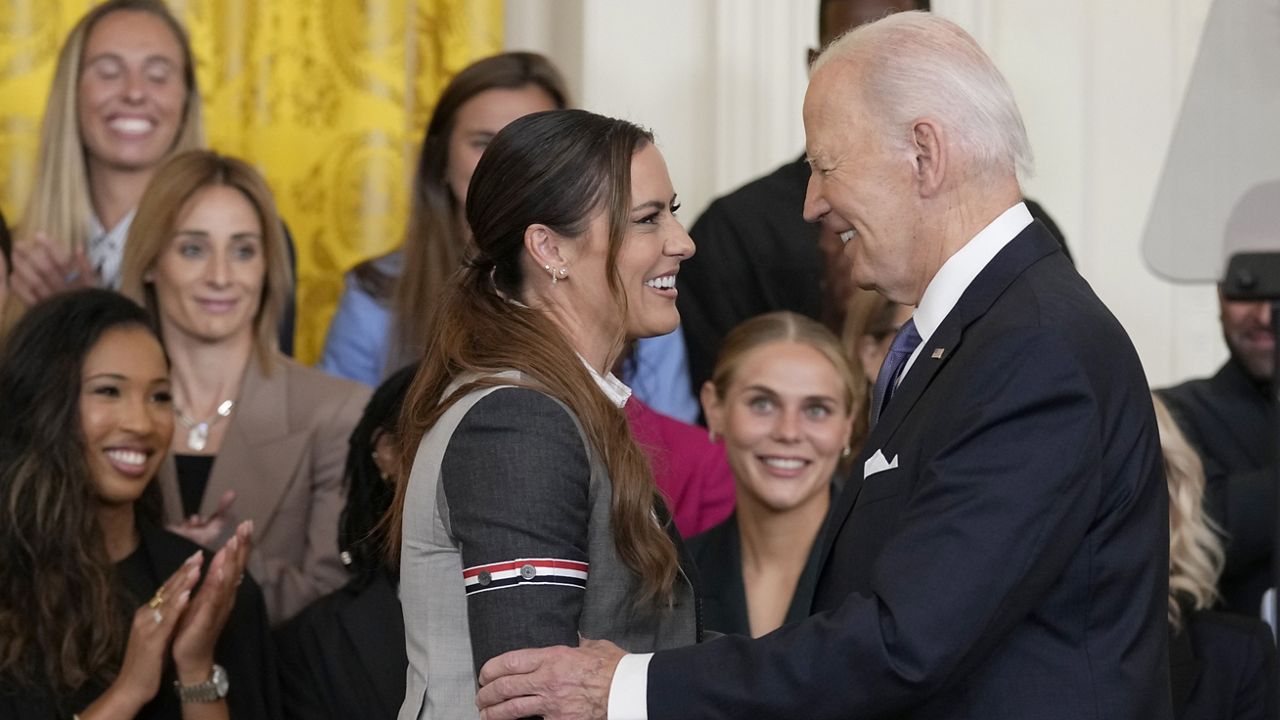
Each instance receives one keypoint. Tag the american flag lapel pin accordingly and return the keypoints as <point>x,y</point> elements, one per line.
<point>937,353</point>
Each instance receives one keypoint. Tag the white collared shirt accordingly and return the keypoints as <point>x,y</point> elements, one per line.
<point>959,271</point>
<point>105,248</point>
<point>628,692</point>
<point>613,388</point>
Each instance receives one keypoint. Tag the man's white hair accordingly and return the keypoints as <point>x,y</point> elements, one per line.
<point>915,65</point>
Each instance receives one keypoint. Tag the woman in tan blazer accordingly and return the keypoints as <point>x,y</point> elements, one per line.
<point>258,436</point>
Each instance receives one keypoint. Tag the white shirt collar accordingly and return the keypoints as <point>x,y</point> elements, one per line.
<point>106,248</point>
<point>613,388</point>
<point>958,272</point>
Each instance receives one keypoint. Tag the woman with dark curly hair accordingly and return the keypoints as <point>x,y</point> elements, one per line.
<point>102,612</point>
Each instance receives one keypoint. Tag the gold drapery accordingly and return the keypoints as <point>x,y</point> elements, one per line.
<point>329,98</point>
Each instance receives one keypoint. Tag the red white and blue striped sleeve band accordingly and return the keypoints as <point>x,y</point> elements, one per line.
<point>525,571</point>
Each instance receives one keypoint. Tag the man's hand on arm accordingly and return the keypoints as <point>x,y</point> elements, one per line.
<point>558,683</point>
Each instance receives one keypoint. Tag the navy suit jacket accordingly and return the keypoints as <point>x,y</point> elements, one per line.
<point>1014,563</point>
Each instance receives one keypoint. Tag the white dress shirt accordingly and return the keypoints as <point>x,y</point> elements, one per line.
<point>106,248</point>
<point>628,693</point>
<point>613,388</point>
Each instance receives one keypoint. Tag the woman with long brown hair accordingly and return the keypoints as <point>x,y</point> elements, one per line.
<point>530,515</point>
<point>100,613</point>
<point>380,323</point>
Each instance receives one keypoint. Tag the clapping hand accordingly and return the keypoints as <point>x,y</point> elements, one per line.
<point>207,532</point>
<point>207,614</point>
<point>175,618</point>
<point>144,655</point>
<point>39,272</point>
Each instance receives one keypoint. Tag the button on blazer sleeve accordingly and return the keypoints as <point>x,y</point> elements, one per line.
<point>516,481</point>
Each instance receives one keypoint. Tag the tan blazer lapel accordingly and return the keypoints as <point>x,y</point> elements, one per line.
<point>167,477</point>
<point>259,456</point>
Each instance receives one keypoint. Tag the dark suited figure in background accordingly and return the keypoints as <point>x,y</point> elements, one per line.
<point>1232,424</point>
<point>1221,666</point>
<point>343,656</point>
<point>1004,553</point>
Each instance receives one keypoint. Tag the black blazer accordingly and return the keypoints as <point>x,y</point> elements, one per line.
<point>717,554</point>
<point>1232,424</point>
<point>343,656</point>
<point>1012,564</point>
<point>1223,667</point>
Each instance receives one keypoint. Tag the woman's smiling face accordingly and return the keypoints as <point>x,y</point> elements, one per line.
<point>785,424</point>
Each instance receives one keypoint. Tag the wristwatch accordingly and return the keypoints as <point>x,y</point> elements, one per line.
<point>211,690</point>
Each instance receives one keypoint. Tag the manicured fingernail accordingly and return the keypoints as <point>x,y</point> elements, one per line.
<point>193,573</point>
<point>195,557</point>
<point>184,596</point>
<point>233,542</point>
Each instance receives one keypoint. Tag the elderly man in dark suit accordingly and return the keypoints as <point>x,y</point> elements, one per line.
<point>1004,553</point>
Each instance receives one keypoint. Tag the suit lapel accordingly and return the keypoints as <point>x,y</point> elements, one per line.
<point>1029,246</point>
<point>259,455</point>
<point>167,476</point>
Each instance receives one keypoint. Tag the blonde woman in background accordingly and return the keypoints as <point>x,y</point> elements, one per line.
<point>259,436</point>
<point>781,396</point>
<point>1221,667</point>
<point>123,99</point>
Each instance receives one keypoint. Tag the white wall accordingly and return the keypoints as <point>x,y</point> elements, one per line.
<point>1099,83</point>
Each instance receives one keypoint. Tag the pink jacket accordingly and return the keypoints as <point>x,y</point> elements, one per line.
<point>690,470</point>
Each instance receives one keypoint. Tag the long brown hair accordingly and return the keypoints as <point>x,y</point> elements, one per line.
<point>557,168</point>
<point>178,180</point>
<point>61,617</point>
<point>435,241</point>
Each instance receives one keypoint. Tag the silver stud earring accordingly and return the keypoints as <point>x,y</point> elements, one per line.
<point>846,452</point>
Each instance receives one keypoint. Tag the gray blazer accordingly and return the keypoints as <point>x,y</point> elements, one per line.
<point>507,544</point>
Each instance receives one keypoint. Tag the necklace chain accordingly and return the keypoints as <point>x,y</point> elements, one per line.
<point>198,437</point>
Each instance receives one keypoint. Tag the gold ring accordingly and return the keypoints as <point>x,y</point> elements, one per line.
<point>157,600</point>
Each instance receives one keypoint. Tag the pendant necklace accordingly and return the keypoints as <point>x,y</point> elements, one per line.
<point>198,432</point>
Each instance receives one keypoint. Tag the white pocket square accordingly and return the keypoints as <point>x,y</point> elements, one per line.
<point>876,463</point>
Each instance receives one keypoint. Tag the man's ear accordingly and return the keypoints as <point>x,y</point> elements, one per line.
<point>928,144</point>
<point>544,246</point>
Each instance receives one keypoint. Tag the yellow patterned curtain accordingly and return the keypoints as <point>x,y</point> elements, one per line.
<point>329,98</point>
